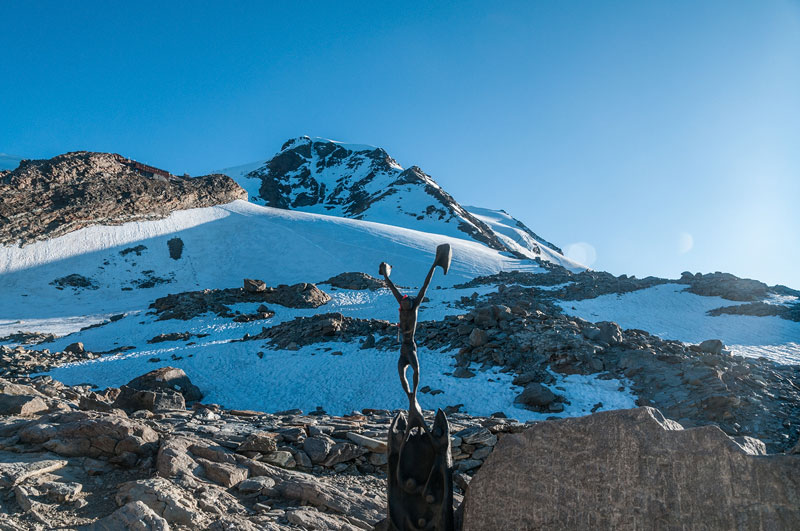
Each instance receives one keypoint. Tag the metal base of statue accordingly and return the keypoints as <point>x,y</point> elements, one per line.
<point>420,489</point>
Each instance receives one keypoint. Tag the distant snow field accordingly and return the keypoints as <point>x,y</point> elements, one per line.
<point>671,313</point>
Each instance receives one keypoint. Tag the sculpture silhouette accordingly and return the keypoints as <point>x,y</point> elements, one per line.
<point>420,488</point>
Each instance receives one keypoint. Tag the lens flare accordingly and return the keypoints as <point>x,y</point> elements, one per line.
<point>685,242</point>
<point>581,252</point>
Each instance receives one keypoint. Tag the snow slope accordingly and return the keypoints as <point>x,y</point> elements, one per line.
<point>222,245</point>
<point>516,236</point>
<point>672,313</point>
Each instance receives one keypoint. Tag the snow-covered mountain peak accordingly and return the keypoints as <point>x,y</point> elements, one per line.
<point>364,182</point>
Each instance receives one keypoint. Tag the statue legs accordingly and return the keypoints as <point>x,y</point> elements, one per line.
<point>408,356</point>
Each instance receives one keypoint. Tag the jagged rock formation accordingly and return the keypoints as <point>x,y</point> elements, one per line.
<point>48,198</point>
<point>632,469</point>
<point>364,182</point>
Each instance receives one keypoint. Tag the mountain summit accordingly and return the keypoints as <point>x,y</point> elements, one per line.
<point>363,182</point>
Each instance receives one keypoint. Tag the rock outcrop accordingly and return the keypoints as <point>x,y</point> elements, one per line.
<point>632,469</point>
<point>190,304</point>
<point>78,189</point>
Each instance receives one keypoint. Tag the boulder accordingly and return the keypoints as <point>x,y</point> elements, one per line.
<point>133,516</point>
<point>317,448</point>
<point>356,281</point>
<point>167,378</point>
<point>163,497</point>
<point>342,452</point>
<point>477,435</point>
<point>463,372</point>
<point>225,474</point>
<point>711,346</point>
<point>263,442</point>
<point>631,469</point>
<point>92,434</point>
<point>610,333</point>
<point>535,396</point>
<point>24,406</point>
<point>75,348</point>
<point>281,458</point>
<point>477,338</point>
<point>254,286</point>
<point>174,459</point>
<point>131,399</point>
<point>16,468</point>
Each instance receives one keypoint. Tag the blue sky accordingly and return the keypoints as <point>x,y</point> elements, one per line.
<point>657,136</point>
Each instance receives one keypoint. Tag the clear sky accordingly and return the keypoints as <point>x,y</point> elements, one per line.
<point>656,136</point>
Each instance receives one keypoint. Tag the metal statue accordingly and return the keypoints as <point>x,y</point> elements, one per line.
<point>420,489</point>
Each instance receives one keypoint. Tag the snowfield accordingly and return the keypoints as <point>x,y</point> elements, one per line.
<point>222,245</point>
<point>671,313</point>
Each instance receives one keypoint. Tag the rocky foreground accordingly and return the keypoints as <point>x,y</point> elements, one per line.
<point>136,458</point>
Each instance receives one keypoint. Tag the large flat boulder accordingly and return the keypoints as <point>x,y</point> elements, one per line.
<point>632,469</point>
<point>92,434</point>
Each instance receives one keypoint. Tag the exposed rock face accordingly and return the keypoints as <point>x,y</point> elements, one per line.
<point>190,304</point>
<point>761,309</point>
<point>325,327</point>
<point>356,281</point>
<point>363,182</point>
<point>725,285</point>
<point>577,286</point>
<point>75,190</point>
<point>632,469</point>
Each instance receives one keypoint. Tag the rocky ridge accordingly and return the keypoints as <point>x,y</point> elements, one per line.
<point>189,304</point>
<point>43,199</point>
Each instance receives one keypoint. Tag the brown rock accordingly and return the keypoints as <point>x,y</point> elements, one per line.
<point>225,474</point>
<point>262,442</point>
<point>24,406</point>
<point>75,348</point>
<point>634,469</point>
<point>254,286</point>
<point>133,516</point>
<point>92,434</point>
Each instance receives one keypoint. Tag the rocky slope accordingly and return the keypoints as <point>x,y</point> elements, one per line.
<point>44,199</point>
<point>364,182</point>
